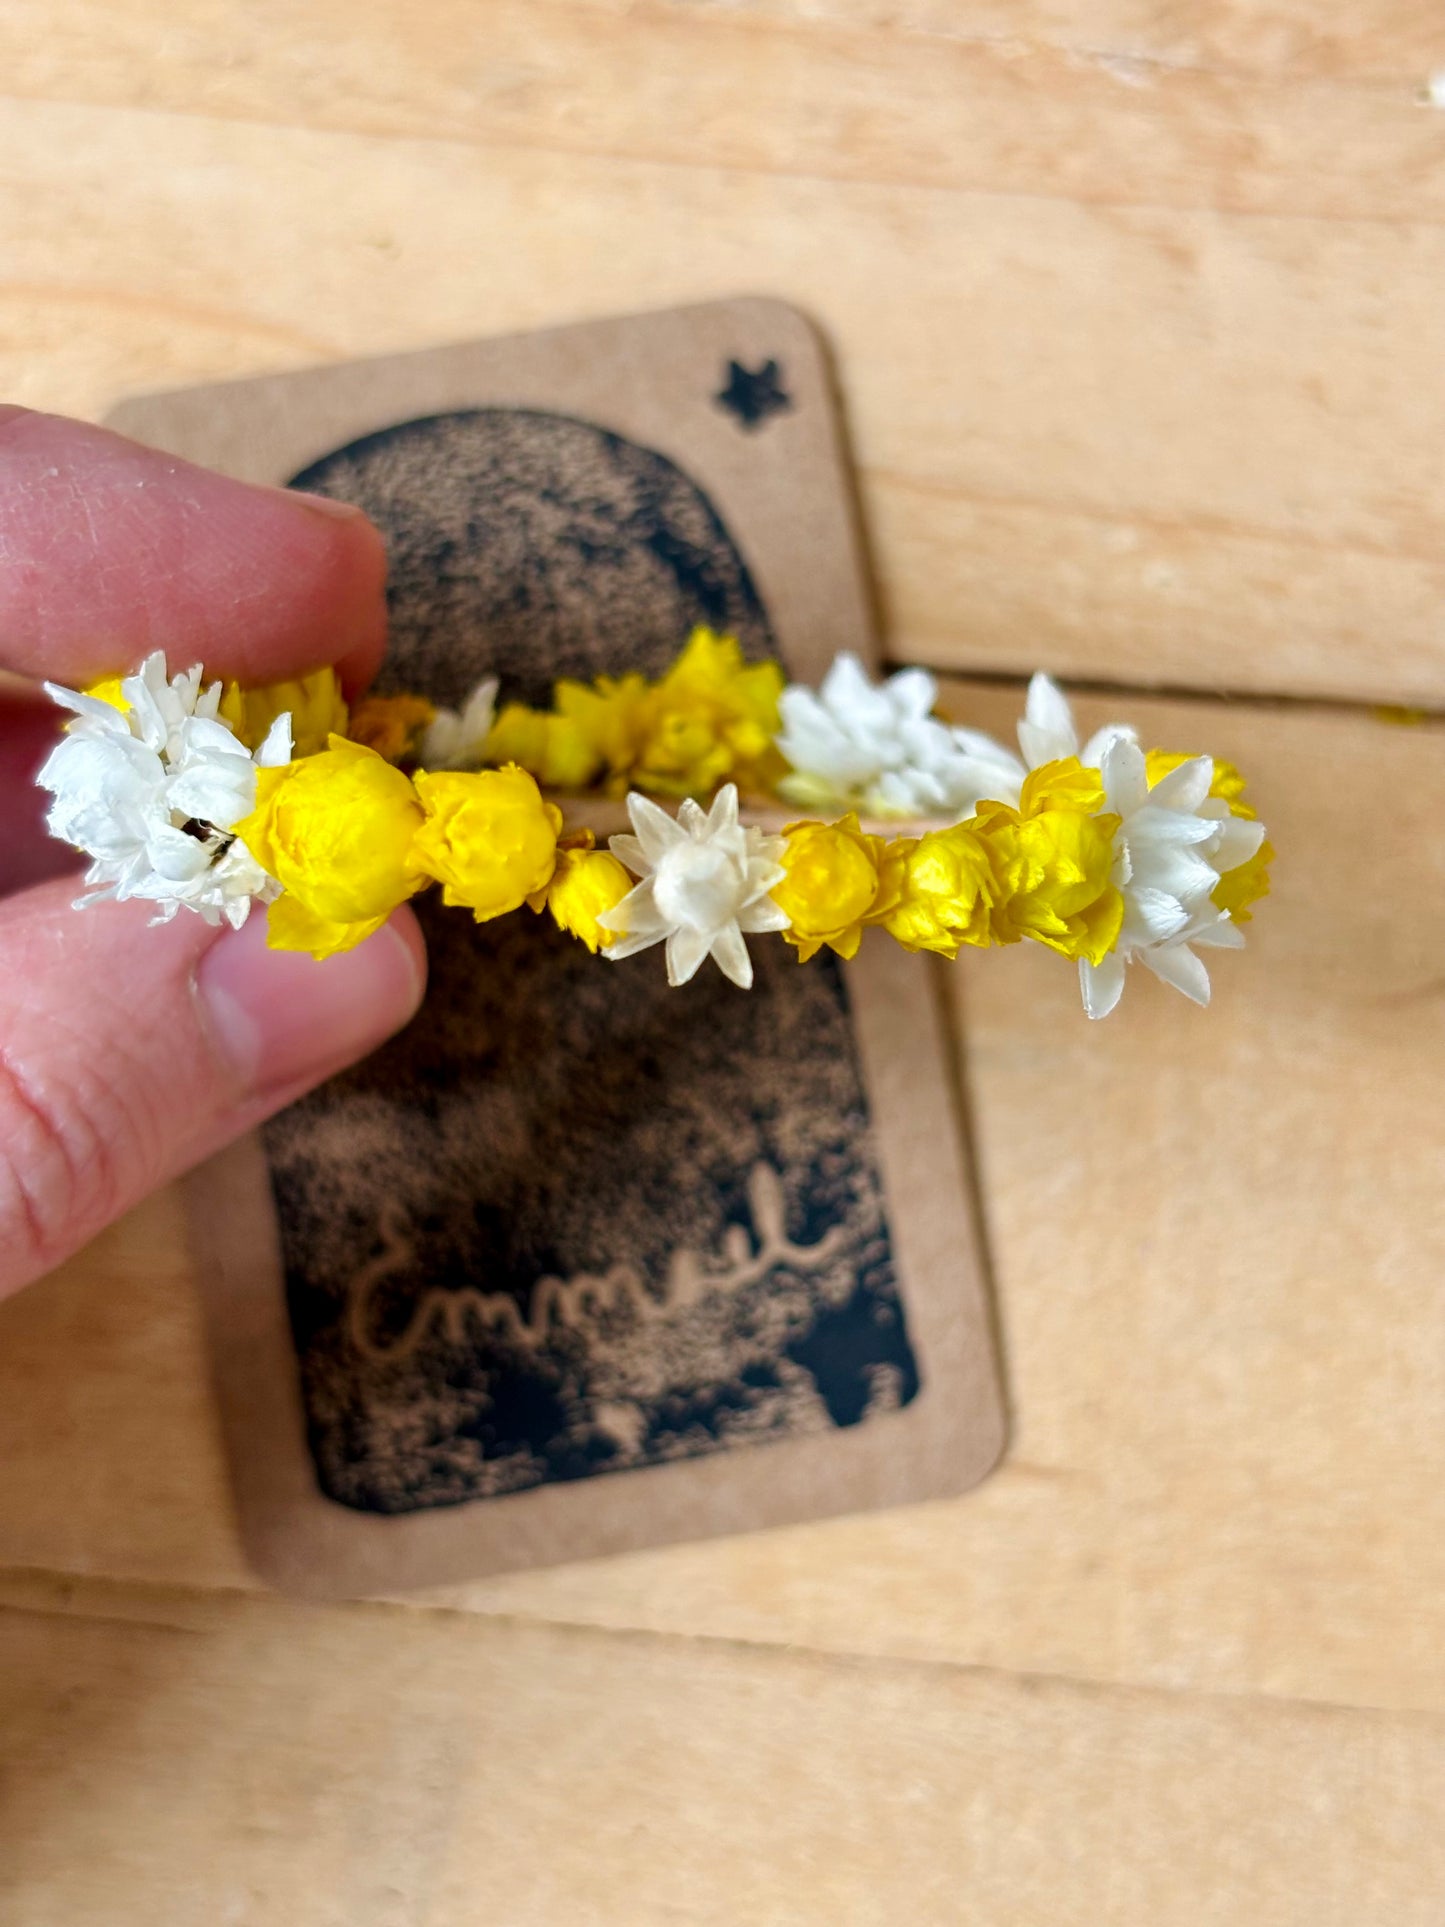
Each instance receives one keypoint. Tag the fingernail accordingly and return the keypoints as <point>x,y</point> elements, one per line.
<point>328,505</point>
<point>279,1017</point>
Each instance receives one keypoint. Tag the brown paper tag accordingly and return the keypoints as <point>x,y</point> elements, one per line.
<point>579,1263</point>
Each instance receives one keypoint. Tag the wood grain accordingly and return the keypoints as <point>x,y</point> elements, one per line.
<point>1136,313</point>
<point>254,1762</point>
<point>1382,41</point>
<point>846,98</point>
<point>1134,382</point>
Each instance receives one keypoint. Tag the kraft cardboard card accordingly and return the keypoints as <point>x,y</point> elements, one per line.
<point>578,1262</point>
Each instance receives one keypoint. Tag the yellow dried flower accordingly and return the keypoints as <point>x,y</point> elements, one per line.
<point>939,890</point>
<point>553,748</point>
<point>108,690</point>
<point>1227,785</point>
<point>1245,884</point>
<point>291,926</point>
<point>830,885</point>
<point>585,885</point>
<point>607,714</point>
<point>336,832</point>
<point>489,838</point>
<point>1052,858</point>
<point>315,702</point>
<point>711,719</point>
<point>391,725</point>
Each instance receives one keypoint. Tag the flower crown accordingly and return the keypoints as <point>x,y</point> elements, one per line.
<point>213,798</point>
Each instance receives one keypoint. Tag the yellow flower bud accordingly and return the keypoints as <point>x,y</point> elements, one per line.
<point>608,716</point>
<point>1228,784</point>
<point>940,889</point>
<point>1064,785</point>
<point>336,832</point>
<point>551,748</point>
<point>108,690</point>
<point>391,725</point>
<point>1053,858</point>
<point>830,885</point>
<point>291,926</point>
<point>586,884</point>
<point>316,705</point>
<point>711,719</point>
<point>1238,888</point>
<point>489,838</point>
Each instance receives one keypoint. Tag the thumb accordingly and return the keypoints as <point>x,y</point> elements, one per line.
<point>128,1053</point>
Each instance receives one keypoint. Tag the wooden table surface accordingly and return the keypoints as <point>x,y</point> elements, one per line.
<point>1137,308</point>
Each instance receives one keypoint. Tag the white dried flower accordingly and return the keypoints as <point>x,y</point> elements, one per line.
<point>705,883</point>
<point>457,739</point>
<point>874,747</point>
<point>1173,844</point>
<point>151,791</point>
<point>879,749</point>
<point>1047,733</point>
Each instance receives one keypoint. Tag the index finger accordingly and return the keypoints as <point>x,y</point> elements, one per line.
<point>109,550</point>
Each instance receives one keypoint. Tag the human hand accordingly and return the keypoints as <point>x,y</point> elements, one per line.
<point>127,1053</point>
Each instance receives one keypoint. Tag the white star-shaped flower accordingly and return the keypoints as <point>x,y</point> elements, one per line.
<point>1172,846</point>
<point>875,747</point>
<point>457,739</point>
<point>878,747</point>
<point>151,792</point>
<point>1047,733</point>
<point>705,883</point>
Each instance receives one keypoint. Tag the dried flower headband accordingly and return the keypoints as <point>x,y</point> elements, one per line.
<point>213,798</point>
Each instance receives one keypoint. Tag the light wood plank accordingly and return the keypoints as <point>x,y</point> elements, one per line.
<point>254,1763</point>
<point>1145,599</point>
<point>1154,446</point>
<point>848,98</point>
<point>109,1438</point>
<point>1218,1240</point>
<point>1382,40</point>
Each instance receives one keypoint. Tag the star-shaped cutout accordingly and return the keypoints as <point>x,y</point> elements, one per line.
<point>753,394</point>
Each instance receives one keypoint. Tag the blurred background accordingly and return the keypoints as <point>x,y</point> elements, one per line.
<point>1136,310</point>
